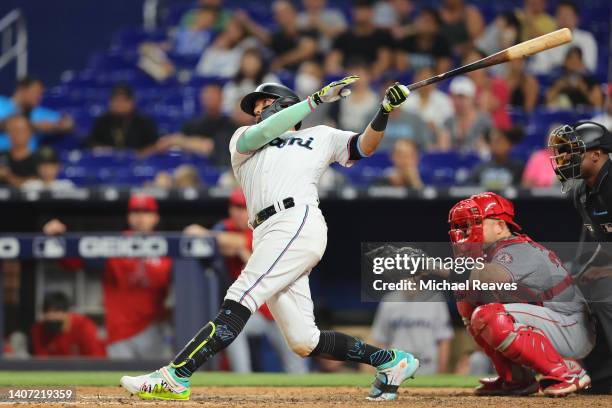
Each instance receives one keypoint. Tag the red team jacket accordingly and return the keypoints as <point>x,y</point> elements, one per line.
<point>135,290</point>
<point>81,339</point>
<point>234,264</point>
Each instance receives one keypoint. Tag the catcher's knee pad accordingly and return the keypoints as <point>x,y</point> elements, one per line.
<point>493,324</point>
<point>304,342</point>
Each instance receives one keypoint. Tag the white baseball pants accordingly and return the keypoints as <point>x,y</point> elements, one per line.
<point>285,249</point>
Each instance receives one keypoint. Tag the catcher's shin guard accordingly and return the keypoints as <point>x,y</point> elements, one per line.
<point>522,345</point>
<point>212,338</point>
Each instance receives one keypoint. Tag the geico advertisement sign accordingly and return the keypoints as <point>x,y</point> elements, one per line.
<point>104,247</point>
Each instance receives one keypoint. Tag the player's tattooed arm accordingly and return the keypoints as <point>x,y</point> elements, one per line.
<point>395,96</point>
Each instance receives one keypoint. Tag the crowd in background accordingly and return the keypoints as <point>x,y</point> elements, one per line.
<point>312,42</point>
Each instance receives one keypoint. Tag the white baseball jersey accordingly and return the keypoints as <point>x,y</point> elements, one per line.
<point>288,166</point>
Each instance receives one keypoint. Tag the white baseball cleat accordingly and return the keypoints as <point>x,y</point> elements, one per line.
<point>390,375</point>
<point>162,384</point>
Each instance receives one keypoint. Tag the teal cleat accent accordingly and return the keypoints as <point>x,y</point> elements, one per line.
<point>391,375</point>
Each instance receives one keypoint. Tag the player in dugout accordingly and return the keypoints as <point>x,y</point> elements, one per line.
<point>542,326</point>
<point>580,158</point>
<point>134,289</point>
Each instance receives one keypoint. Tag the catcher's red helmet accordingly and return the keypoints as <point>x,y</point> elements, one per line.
<point>467,216</point>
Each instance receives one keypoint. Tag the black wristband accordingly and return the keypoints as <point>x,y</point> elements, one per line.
<point>459,277</point>
<point>379,123</point>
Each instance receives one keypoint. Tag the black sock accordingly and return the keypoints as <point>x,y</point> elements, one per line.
<point>212,338</point>
<point>342,347</point>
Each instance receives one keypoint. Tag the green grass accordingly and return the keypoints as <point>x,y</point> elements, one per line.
<point>110,378</point>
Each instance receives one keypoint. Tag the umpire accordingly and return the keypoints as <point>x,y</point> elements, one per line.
<point>582,163</point>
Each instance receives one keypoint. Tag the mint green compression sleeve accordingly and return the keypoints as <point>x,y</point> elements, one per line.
<point>269,129</point>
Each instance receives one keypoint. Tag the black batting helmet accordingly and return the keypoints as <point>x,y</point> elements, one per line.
<point>269,90</point>
<point>568,143</point>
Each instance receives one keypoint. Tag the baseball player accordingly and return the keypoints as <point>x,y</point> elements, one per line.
<point>278,167</point>
<point>542,326</point>
<point>581,161</point>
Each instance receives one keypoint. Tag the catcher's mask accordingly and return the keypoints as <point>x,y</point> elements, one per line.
<point>466,220</point>
<point>568,143</point>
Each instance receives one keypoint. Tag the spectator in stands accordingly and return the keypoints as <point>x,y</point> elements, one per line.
<point>535,21</point>
<point>462,24</point>
<point>424,327</point>
<point>404,124</point>
<point>405,170</point>
<point>222,16</point>
<point>26,100</point>
<point>134,289</point>
<point>186,176</point>
<point>326,21</point>
<point>467,129</point>
<point>48,167</point>
<point>222,58</point>
<point>122,126</point>
<point>193,39</point>
<point>355,112</point>
<point>574,86</point>
<point>426,47</point>
<point>290,45</point>
<point>251,72</point>
<point>235,241</point>
<point>503,32</point>
<point>61,333</point>
<point>567,16</point>
<point>19,163</point>
<point>501,170</point>
<point>308,79</point>
<point>433,105</point>
<point>538,171</point>
<point>524,88</point>
<point>207,135</point>
<point>397,15</point>
<point>362,43</point>
<point>492,93</point>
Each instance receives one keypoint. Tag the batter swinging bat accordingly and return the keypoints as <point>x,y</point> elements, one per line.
<point>524,49</point>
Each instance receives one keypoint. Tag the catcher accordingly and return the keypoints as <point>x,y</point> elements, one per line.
<point>541,327</point>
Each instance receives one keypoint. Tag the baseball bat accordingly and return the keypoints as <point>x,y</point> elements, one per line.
<point>522,50</point>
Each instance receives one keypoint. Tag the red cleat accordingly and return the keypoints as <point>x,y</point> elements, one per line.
<point>497,387</point>
<point>574,380</point>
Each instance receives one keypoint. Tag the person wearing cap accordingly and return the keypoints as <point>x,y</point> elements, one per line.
<point>581,161</point>
<point>134,289</point>
<point>48,167</point>
<point>122,126</point>
<point>468,128</point>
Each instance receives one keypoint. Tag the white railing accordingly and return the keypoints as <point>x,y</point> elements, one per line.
<point>14,42</point>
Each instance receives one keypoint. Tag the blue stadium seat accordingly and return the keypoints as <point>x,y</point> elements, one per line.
<point>448,168</point>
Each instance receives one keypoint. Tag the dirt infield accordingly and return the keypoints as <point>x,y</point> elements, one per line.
<point>303,397</point>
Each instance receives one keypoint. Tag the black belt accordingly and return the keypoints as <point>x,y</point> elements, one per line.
<point>267,212</point>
